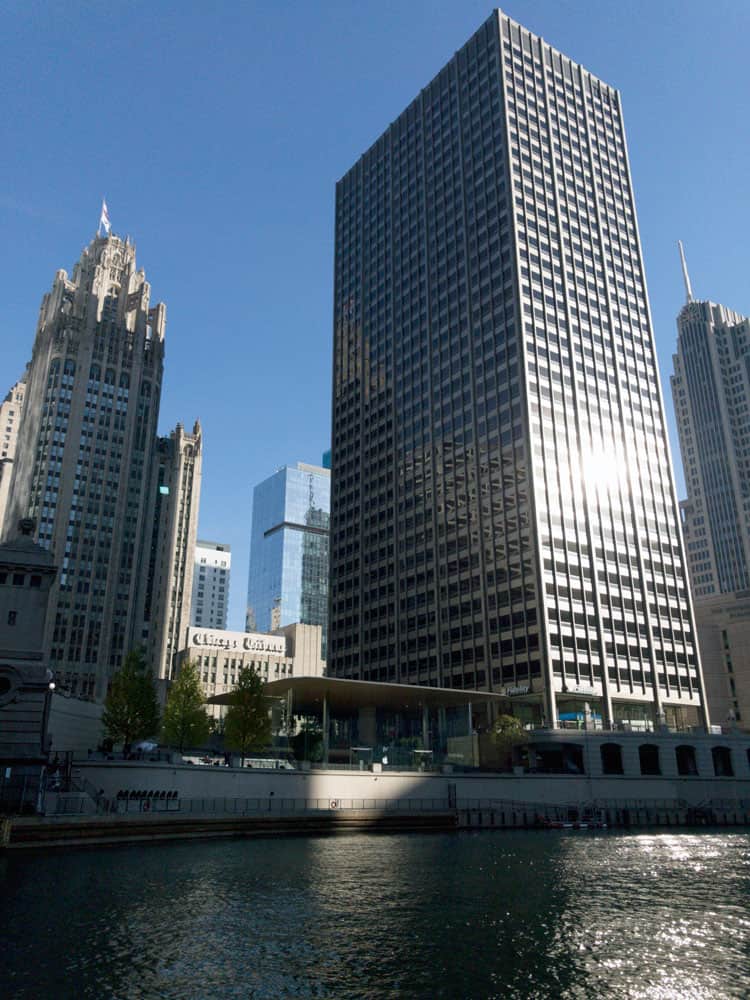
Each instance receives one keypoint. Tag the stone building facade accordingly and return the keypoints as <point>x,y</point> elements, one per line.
<point>220,655</point>
<point>10,420</point>
<point>711,394</point>
<point>167,576</point>
<point>86,459</point>
<point>27,573</point>
<point>723,623</point>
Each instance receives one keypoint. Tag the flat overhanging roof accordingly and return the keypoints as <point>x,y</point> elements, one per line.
<point>348,695</point>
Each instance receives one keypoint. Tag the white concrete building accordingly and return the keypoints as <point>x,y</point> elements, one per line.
<point>10,419</point>
<point>219,655</point>
<point>210,597</point>
<point>723,623</point>
<point>711,393</point>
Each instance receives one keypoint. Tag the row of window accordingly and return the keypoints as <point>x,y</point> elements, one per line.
<point>686,760</point>
<point>20,579</point>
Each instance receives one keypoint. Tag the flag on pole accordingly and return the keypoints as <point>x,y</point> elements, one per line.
<point>104,218</point>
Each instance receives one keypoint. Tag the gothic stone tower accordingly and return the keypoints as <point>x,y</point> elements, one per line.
<point>85,449</point>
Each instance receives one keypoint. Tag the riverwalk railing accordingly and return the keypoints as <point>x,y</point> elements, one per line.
<point>70,804</point>
<point>489,813</point>
<point>277,805</point>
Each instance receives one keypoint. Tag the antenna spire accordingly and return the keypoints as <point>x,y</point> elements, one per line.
<point>685,275</point>
<point>104,222</point>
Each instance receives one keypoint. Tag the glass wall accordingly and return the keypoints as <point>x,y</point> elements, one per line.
<point>288,579</point>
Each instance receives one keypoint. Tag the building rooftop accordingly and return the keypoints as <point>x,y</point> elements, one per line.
<point>23,550</point>
<point>348,695</point>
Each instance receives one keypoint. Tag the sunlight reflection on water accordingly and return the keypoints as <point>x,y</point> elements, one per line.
<point>509,915</point>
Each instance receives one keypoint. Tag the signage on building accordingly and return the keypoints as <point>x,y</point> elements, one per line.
<point>581,689</point>
<point>241,642</point>
<point>515,689</point>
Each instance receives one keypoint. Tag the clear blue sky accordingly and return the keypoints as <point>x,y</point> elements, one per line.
<point>217,132</point>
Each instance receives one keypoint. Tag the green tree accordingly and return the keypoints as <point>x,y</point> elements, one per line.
<point>246,724</point>
<point>507,734</point>
<point>131,709</point>
<point>186,722</point>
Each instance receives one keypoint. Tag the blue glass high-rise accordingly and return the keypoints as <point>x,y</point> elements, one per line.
<point>288,578</point>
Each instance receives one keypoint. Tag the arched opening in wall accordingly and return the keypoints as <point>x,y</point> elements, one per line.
<point>612,758</point>
<point>722,757</point>
<point>649,758</point>
<point>557,758</point>
<point>687,765</point>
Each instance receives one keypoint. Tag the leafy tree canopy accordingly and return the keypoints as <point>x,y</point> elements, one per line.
<point>508,729</point>
<point>186,722</point>
<point>246,724</point>
<point>507,734</point>
<point>131,709</point>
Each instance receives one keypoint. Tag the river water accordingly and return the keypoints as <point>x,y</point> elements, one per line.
<point>489,914</point>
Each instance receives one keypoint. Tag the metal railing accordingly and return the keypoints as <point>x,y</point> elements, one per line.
<point>286,806</point>
<point>367,766</point>
<point>69,804</point>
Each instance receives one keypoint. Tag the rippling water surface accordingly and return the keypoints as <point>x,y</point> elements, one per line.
<point>467,915</point>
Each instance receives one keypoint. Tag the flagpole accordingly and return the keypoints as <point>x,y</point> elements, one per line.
<point>104,220</point>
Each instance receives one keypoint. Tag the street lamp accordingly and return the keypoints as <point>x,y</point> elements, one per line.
<point>50,678</point>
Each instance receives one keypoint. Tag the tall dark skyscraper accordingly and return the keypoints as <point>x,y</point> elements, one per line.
<point>503,508</point>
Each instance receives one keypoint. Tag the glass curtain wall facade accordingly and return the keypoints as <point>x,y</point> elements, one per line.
<point>288,579</point>
<point>503,507</point>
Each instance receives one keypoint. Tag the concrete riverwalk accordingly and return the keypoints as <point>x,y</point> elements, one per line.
<point>45,832</point>
<point>107,802</point>
<point>88,831</point>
